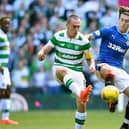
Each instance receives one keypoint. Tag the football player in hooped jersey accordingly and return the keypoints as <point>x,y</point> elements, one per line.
<point>71,47</point>
<point>5,83</point>
<point>114,45</point>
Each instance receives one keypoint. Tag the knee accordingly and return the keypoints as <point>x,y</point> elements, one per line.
<point>106,69</point>
<point>61,72</point>
<point>5,93</point>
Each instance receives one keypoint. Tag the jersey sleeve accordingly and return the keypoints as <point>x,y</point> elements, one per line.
<point>51,44</point>
<point>88,50</point>
<point>88,54</point>
<point>52,41</point>
<point>100,33</point>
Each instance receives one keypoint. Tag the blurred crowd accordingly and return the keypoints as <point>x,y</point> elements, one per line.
<point>35,21</point>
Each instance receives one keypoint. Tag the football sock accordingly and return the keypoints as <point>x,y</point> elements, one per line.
<point>5,105</point>
<point>80,119</point>
<point>109,79</point>
<point>126,119</point>
<point>72,85</point>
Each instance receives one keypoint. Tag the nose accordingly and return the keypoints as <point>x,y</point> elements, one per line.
<point>76,28</point>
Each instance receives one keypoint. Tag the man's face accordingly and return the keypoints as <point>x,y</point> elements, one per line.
<point>73,27</point>
<point>5,24</point>
<point>123,23</point>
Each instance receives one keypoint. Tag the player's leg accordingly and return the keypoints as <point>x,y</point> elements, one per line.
<point>5,91</point>
<point>73,86</point>
<point>75,81</point>
<point>5,106</point>
<point>107,73</point>
<point>125,124</point>
<point>64,75</point>
<point>80,115</point>
<point>122,81</point>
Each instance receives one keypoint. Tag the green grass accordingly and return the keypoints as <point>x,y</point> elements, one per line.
<point>49,119</point>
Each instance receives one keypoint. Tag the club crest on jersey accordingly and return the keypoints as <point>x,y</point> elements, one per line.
<point>113,36</point>
<point>97,32</point>
<point>127,42</point>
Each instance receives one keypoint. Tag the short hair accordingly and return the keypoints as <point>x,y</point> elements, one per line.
<point>4,17</point>
<point>124,10</point>
<point>73,16</point>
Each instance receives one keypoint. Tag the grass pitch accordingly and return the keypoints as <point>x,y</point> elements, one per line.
<point>60,119</point>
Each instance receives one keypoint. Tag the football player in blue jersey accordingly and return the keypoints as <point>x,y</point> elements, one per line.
<point>114,45</point>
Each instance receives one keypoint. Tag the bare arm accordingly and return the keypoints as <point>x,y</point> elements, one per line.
<point>91,64</point>
<point>1,69</point>
<point>44,51</point>
<point>90,60</point>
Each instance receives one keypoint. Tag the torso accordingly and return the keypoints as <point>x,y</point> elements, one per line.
<point>4,49</point>
<point>113,48</point>
<point>69,52</point>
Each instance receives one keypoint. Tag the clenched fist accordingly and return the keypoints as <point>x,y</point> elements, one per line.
<point>1,70</point>
<point>41,55</point>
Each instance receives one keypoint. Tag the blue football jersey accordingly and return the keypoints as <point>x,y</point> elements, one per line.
<point>113,46</point>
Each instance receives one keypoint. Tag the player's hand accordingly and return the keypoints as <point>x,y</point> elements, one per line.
<point>1,69</point>
<point>92,69</point>
<point>41,55</point>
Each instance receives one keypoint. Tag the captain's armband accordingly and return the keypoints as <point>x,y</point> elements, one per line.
<point>88,55</point>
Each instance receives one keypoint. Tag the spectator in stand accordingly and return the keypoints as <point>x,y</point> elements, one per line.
<point>20,76</point>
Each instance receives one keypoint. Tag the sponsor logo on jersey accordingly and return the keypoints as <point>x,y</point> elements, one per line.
<point>69,56</point>
<point>116,47</point>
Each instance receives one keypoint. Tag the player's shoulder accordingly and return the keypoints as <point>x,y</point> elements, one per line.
<point>109,28</point>
<point>106,31</point>
<point>113,28</point>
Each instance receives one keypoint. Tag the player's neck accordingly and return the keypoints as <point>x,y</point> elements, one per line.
<point>70,36</point>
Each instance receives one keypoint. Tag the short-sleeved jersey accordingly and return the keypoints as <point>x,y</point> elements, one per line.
<point>69,52</point>
<point>113,46</point>
<point>4,49</point>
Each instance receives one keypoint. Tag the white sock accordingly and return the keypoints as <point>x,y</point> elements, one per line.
<point>2,81</point>
<point>72,85</point>
<point>80,119</point>
<point>5,105</point>
<point>126,121</point>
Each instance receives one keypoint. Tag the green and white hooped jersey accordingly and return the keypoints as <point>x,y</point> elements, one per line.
<point>4,49</point>
<point>69,52</point>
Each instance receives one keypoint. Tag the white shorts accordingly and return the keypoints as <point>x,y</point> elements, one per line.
<point>78,77</point>
<point>121,78</point>
<point>5,79</point>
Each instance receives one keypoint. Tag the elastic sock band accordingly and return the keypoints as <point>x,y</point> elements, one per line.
<point>110,75</point>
